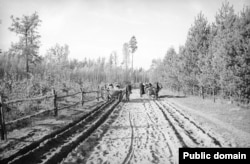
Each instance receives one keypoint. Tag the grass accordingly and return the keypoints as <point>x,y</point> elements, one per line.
<point>221,109</point>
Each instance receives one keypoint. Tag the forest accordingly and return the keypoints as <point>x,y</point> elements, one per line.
<point>215,59</point>
<point>24,72</point>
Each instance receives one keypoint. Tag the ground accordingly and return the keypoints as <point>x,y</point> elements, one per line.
<point>145,130</point>
<point>149,131</point>
<point>40,127</point>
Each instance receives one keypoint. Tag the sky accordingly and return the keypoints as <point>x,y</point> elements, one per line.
<point>96,28</point>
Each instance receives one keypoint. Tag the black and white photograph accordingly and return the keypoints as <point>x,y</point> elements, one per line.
<point>124,81</point>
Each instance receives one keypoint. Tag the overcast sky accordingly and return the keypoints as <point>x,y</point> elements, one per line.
<point>94,28</point>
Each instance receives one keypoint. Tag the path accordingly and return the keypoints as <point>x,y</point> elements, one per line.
<point>147,131</point>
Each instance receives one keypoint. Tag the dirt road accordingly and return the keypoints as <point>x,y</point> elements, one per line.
<point>145,131</point>
<point>141,131</point>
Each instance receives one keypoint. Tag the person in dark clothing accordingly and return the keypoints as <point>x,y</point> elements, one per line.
<point>158,87</point>
<point>142,91</point>
<point>128,91</point>
<point>149,84</point>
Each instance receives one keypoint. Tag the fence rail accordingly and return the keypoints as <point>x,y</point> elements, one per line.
<point>28,99</point>
<point>55,98</point>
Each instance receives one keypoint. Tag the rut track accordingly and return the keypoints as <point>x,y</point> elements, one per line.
<point>55,146</point>
<point>131,147</point>
<point>201,130</point>
<point>187,131</point>
<point>169,143</point>
<point>173,126</point>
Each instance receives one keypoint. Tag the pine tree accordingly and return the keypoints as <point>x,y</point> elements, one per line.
<point>241,47</point>
<point>126,59</point>
<point>26,28</point>
<point>133,47</point>
<point>224,53</point>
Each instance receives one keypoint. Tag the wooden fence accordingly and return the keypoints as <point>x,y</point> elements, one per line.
<point>53,96</point>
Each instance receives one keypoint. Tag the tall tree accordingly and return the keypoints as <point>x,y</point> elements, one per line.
<point>197,49</point>
<point>133,47</point>
<point>241,58</point>
<point>126,60</point>
<point>156,70</point>
<point>224,55</point>
<point>115,62</point>
<point>171,68</point>
<point>26,28</point>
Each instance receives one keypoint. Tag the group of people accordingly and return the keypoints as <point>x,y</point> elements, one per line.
<point>109,91</point>
<point>150,89</point>
<point>145,88</point>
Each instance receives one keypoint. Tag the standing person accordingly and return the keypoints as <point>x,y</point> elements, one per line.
<point>108,93</point>
<point>158,87</point>
<point>128,91</point>
<point>142,91</point>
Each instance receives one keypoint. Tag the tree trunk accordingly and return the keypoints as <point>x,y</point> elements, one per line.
<point>231,96</point>
<point>26,54</point>
<point>193,91</point>
<point>202,92</point>
<point>132,62</point>
<point>214,94</point>
<point>132,74</point>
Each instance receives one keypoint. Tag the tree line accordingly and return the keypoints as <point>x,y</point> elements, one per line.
<point>214,60</point>
<point>24,72</point>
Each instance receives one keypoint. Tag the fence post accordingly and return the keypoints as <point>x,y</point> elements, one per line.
<point>2,121</point>
<point>82,96</point>
<point>54,102</point>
